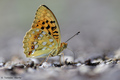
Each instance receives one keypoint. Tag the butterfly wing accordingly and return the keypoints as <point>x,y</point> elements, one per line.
<point>45,20</point>
<point>38,43</point>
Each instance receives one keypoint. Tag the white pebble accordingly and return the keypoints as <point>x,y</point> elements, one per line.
<point>69,59</point>
<point>1,64</point>
<point>117,54</point>
<point>35,60</point>
<point>45,65</point>
<point>101,68</point>
<point>96,61</point>
<point>78,64</point>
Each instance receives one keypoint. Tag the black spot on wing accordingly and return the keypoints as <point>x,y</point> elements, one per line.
<point>52,22</point>
<point>48,27</point>
<point>55,35</point>
<point>43,23</point>
<point>49,32</point>
<point>53,28</point>
<point>55,32</point>
<point>42,27</point>
<point>46,21</point>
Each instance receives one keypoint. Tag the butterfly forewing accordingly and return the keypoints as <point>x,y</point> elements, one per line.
<point>45,20</point>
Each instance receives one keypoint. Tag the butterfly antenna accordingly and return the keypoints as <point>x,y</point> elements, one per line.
<point>72,36</point>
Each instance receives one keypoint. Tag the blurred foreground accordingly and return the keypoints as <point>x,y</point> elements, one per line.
<point>99,68</point>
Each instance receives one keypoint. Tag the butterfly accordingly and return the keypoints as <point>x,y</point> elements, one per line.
<point>44,38</point>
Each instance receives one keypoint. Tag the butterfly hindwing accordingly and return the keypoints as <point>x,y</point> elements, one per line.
<point>45,20</point>
<point>37,43</point>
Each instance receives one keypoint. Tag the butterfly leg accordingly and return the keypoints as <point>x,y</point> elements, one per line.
<point>42,61</point>
<point>60,58</point>
<point>48,57</point>
<point>50,54</point>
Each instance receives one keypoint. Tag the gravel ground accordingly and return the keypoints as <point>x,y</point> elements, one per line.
<point>99,68</point>
<point>99,24</point>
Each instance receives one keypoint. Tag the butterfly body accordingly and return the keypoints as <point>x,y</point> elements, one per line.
<point>44,38</point>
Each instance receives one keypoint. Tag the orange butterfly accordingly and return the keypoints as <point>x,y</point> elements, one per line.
<point>43,39</point>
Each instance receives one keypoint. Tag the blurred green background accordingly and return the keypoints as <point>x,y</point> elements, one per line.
<point>97,20</point>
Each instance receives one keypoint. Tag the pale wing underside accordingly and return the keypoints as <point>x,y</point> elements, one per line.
<point>37,43</point>
<point>45,20</point>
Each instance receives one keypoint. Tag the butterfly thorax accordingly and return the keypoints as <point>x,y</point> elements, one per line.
<point>62,47</point>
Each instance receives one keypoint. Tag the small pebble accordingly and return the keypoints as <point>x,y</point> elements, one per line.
<point>117,54</point>
<point>36,61</point>
<point>45,65</point>
<point>69,59</point>
<point>57,65</point>
<point>118,62</point>
<point>101,68</point>
<point>78,64</point>
<point>109,61</point>
<point>30,64</point>
<point>1,64</point>
<point>96,61</point>
<point>19,66</point>
<point>89,63</point>
<point>8,65</point>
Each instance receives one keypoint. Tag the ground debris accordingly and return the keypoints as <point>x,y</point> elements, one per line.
<point>96,68</point>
